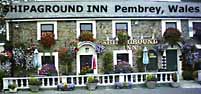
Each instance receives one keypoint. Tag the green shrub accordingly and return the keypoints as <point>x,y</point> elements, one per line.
<point>12,86</point>
<point>91,79</point>
<point>122,37</point>
<point>195,75</point>
<point>34,81</point>
<point>151,77</point>
<point>187,75</point>
<point>107,62</point>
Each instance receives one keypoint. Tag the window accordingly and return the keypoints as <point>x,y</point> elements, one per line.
<point>122,56</point>
<point>170,24</point>
<point>48,58</point>
<point>195,29</point>
<point>46,27</point>
<point>2,34</point>
<point>86,26</point>
<point>121,26</point>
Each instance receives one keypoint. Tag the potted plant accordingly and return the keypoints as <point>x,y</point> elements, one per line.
<point>174,84</point>
<point>151,81</point>
<point>172,36</point>
<point>91,83</point>
<point>47,39</point>
<point>12,88</point>
<point>34,84</point>
<point>122,37</point>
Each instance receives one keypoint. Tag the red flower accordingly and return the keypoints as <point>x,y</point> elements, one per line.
<point>47,39</point>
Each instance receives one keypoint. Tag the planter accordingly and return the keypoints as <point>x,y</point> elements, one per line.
<point>34,88</point>
<point>175,84</point>
<point>91,86</point>
<point>13,90</point>
<point>151,84</point>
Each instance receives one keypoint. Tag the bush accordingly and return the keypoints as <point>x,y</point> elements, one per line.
<point>172,35</point>
<point>123,67</point>
<point>187,75</point>
<point>122,37</point>
<point>107,62</point>
<point>12,86</point>
<point>34,81</point>
<point>195,75</point>
<point>91,79</point>
<point>151,77</point>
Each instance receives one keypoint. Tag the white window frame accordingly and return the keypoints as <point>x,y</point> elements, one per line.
<point>114,27</point>
<point>7,31</point>
<point>130,59</point>
<point>190,25</point>
<point>39,29</point>
<point>163,23</point>
<point>93,27</point>
<point>55,54</point>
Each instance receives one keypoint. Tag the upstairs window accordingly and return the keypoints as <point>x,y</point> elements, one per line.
<point>46,27</point>
<point>171,25</point>
<point>121,26</point>
<point>2,34</point>
<point>86,26</point>
<point>165,24</point>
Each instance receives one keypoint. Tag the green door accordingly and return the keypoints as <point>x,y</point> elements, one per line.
<point>171,59</point>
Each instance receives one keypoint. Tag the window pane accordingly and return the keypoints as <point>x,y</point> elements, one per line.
<point>47,60</point>
<point>2,34</point>
<point>47,27</point>
<point>121,26</point>
<point>171,25</point>
<point>197,26</point>
<point>85,27</point>
<point>122,58</point>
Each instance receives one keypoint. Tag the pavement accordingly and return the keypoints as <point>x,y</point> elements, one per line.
<point>186,87</point>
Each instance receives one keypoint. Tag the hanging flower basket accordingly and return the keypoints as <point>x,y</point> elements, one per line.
<point>172,36</point>
<point>86,36</point>
<point>47,40</point>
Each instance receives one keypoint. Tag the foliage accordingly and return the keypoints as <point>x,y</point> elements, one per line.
<point>86,69</point>
<point>123,67</point>
<point>47,40</point>
<point>8,46</point>
<point>12,86</point>
<point>92,79</point>
<point>86,36</point>
<point>66,58</point>
<point>172,36</point>
<point>2,74</point>
<point>66,87</point>
<point>197,36</point>
<point>195,75</point>
<point>122,37</point>
<point>107,62</point>
<point>48,69</point>
<point>3,57</point>
<point>187,75</point>
<point>34,81</point>
<point>151,77</point>
<point>174,77</point>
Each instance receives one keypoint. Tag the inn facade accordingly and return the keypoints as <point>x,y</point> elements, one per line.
<point>144,23</point>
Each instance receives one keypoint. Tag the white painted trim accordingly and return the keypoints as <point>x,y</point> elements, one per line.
<point>56,60</point>
<point>163,25</point>
<point>121,21</point>
<point>87,19</point>
<point>39,29</point>
<point>7,31</point>
<point>115,52</point>
<point>190,26</point>
<point>93,27</point>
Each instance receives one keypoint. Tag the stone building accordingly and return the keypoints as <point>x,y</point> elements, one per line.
<point>144,23</point>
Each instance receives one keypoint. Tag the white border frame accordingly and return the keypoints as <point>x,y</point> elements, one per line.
<point>39,29</point>
<point>121,21</point>
<point>93,27</point>
<point>7,31</point>
<point>190,26</point>
<point>56,60</point>
<point>163,25</point>
<point>130,59</point>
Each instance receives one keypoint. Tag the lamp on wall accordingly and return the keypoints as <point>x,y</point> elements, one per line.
<point>87,50</point>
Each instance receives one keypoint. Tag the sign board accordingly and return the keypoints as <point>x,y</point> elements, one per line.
<point>101,9</point>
